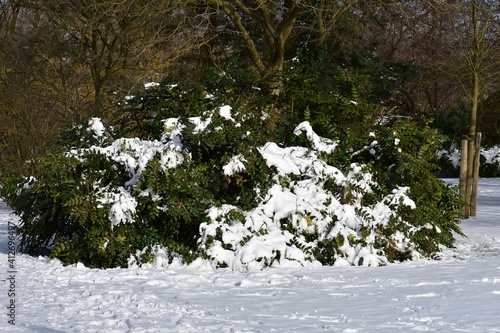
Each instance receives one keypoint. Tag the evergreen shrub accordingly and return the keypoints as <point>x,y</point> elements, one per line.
<point>200,176</point>
<point>403,152</point>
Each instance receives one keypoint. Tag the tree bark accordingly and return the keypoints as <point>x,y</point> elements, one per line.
<point>252,49</point>
<point>275,22</point>
<point>475,68</point>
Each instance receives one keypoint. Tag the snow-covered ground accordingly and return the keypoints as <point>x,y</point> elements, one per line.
<point>460,293</point>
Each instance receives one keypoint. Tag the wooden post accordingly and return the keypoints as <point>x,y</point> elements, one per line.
<point>463,179</point>
<point>470,171</point>
<point>475,178</point>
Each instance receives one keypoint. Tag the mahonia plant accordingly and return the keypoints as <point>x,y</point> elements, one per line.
<point>198,175</point>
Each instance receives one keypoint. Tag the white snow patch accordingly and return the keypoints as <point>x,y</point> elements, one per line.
<point>123,206</point>
<point>96,127</point>
<point>235,165</point>
<point>225,112</point>
<point>150,85</point>
<point>458,293</point>
<point>324,145</point>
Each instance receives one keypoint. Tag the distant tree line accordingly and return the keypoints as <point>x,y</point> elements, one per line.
<point>62,61</point>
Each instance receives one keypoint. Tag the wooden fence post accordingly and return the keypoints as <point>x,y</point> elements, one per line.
<point>475,178</point>
<point>463,179</point>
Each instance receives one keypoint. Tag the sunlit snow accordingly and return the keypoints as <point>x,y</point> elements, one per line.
<point>235,165</point>
<point>225,112</point>
<point>459,293</point>
<point>96,127</point>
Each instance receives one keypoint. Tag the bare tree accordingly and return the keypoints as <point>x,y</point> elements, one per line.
<point>64,60</point>
<point>275,22</point>
<point>28,111</point>
<point>473,59</point>
<point>116,40</point>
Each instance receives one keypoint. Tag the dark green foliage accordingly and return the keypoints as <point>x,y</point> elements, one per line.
<point>324,94</point>
<point>405,155</point>
<point>59,211</point>
<point>142,114</point>
<point>491,169</point>
<point>66,211</point>
<point>340,99</point>
<point>489,120</point>
<point>66,208</point>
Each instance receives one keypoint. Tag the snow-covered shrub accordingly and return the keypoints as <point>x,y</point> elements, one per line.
<point>106,197</point>
<point>312,213</point>
<point>315,212</point>
<point>199,176</point>
<point>403,153</point>
<point>60,209</point>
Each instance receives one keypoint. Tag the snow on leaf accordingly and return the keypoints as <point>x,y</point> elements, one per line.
<point>235,165</point>
<point>200,123</point>
<point>225,112</point>
<point>122,206</point>
<point>150,85</point>
<point>96,127</point>
<point>324,145</point>
<point>399,195</point>
<point>290,160</point>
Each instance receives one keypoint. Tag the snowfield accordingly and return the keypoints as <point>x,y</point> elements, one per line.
<point>459,293</point>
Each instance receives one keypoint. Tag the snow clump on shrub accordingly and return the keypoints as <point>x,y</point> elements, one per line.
<point>306,206</point>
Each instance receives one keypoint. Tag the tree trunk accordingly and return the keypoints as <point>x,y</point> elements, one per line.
<point>252,49</point>
<point>475,64</point>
